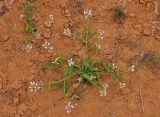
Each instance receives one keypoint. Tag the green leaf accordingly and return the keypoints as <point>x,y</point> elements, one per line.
<point>120,74</point>
<point>83,36</point>
<point>113,77</point>
<point>66,88</point>
<point>27,41</point>
<point>55,84</point>
<point>93,34</point>
<point>107,68</point>
<point>51,64</point>
<point>98,63</point>
<point>69,71</point>
<point>85,65</point>
<point>110,71</point>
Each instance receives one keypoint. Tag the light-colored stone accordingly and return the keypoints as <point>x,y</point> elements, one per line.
<point>16,100</point>
<point>48,23</point>
<point>82,53</point>
<point>75,97</point>
<point>47,33</point>
<point>75,86</point>
<point>67,13</point>
<point>146,32</point>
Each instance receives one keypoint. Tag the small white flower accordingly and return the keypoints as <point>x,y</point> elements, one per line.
<point>101,34</point>
<point>104,89</point>
<point>132,68</point>
<point>56,60</point>
<point>48,46</point>
<point>87,14</point>
<point>38,35</point>
<point>21,17</point>
<point>69,107</point>
<point>98,46</point>
<point>70,62</point>
<point>28,47</point>
<point>51,17</point>
<point>67,32</point>
<point>114,66</point>
<point>35,86</point>
<point>92,77</point>
<point>105,86</point>
<point>122,85</point>
<point>80,79</point>
<point>102,93</point>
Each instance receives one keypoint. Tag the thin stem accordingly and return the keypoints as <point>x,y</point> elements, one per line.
<point>103,73</point>
<point>64,78</point>
<point>74,75</point>
<point>87,35</point>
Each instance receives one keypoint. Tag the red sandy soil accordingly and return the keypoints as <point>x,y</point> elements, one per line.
<point>130,40</point>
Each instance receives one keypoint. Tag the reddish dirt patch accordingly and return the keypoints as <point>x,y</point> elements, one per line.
<point>140,98</point>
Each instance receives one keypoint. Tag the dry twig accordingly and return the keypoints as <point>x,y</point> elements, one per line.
<point>142,104</point>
